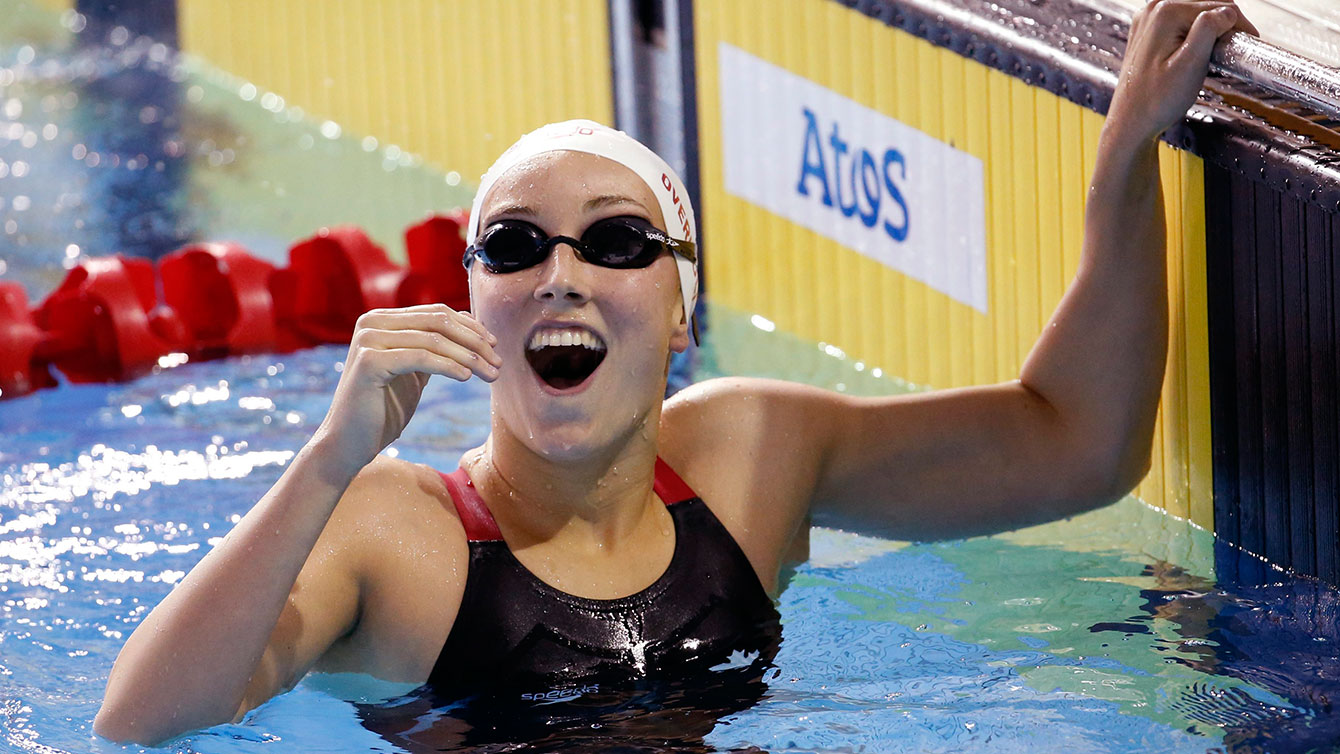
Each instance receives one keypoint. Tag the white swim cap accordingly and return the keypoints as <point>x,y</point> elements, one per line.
<point>593,138</point>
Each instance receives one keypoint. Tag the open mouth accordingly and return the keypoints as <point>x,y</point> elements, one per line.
<point>564,357</point>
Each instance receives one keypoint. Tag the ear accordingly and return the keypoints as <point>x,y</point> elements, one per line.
<point>679,337</point>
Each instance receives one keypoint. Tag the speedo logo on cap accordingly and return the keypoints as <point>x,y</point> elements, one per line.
<point>682,213</point>
<point>576,131</point>
<point>564,129</point>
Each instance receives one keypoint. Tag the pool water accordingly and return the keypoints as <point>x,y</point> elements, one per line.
<point>1106,633</point>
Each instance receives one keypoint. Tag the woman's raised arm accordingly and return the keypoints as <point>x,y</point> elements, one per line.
<point>1075,430</point>
<point>283,586</point>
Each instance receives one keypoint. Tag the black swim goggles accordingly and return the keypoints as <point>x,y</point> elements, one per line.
<point>620,242</point>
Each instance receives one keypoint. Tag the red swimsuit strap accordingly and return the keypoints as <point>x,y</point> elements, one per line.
<point>480,525</point>
<point>668,486</point>
<point>475,516</point>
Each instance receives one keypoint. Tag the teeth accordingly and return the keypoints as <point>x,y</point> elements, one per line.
<point>565,337</point>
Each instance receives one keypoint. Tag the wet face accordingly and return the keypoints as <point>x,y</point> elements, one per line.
<point>584,348</point>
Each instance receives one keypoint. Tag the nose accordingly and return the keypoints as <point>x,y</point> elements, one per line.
<point>564,277</point>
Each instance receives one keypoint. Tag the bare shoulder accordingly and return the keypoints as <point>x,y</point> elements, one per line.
<point>711,400</point>
<point>391,498</point>
<point>397,523</point>
<point>753,449</point>
<point>745,415</point>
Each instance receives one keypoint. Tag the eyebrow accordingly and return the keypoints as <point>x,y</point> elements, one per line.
<point>608,200</point>
<point>604,200</point>
<point>515,209</point>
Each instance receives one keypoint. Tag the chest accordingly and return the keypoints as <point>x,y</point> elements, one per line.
<point>604,571</point>
<point>515,630</point>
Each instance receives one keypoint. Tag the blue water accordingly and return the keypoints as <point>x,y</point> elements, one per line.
<point>1106,633</point>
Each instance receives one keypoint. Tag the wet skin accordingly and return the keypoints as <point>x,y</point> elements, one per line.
<point>354,561</point>
<point>566,473</point>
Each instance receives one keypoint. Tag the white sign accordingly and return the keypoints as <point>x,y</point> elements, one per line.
<point>854,175</point>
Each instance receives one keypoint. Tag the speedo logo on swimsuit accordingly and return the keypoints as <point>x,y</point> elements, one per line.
<point>562,694</point>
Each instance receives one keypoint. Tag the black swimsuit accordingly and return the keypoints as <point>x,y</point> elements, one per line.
<point>528,667</point>
<point>514,631</point>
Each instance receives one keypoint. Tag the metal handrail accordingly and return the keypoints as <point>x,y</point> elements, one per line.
<point>1259,63</point>
<point>963,15</point>
<point>1279,71</point>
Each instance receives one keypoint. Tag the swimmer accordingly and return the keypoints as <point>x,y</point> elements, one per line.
<point>601,531</point>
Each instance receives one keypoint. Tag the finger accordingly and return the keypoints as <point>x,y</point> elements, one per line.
<point>429,324</point>
<point>433,307</point>
<point>1176,17</point>
<point>450,324</point>
<point>469,332</point>
<point>414,308</point>
<point>377,315</point>
<point>385,319</point>
<point>447,314</point>
<point>466,330</point>
<point>1138,19</point>
<point>1245,25</point>
<point>397,361</point>
<point>1205,31</point>
<point>1161,27</point>
<point>470,319</point>
<point>434,342</point>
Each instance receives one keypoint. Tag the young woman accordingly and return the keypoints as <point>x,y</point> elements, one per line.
<point>599,533</point>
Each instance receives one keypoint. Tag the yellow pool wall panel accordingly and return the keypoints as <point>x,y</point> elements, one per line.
<point>1037,152</point>
<point>453,81</point>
